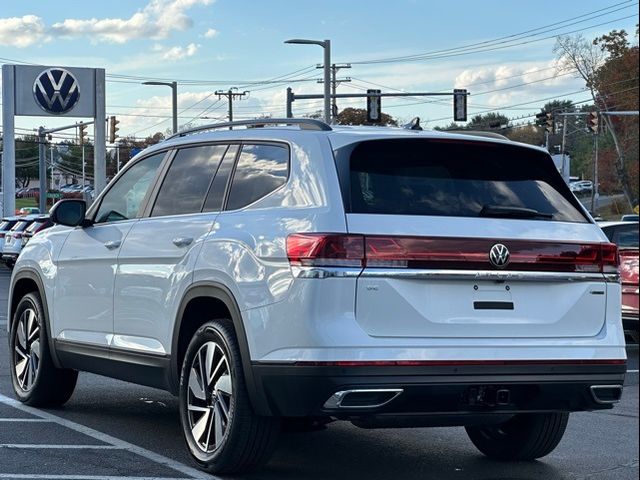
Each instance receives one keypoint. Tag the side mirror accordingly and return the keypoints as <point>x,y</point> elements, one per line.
<point>69,212</point>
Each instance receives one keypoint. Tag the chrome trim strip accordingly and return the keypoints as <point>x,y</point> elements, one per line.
<point>326,272</point>
<point>335,400</point>
<point>492,275</point>
<point>593,389</point>
<point>419,274</point>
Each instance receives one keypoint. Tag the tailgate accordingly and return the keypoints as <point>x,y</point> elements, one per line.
<point>429,285</point>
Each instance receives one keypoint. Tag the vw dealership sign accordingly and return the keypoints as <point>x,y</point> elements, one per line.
<point>56,91</point>
<point>50,91</point>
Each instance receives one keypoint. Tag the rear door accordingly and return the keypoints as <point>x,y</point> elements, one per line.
<point>471,239</point>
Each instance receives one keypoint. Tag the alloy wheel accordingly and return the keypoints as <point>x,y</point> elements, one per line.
<point>27,349</point>
<point>209,397</point>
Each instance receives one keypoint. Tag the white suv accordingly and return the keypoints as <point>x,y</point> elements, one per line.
<point>388,277</point>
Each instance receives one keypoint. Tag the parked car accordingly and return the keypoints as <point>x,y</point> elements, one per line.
<point>383,276</point>
<point>630,217</point>
<point>582,186</point>
<point>5,226</point>
<point>13,240</point>
<point>38,225</point>
<point>27,211</point>
<point>625,235</point>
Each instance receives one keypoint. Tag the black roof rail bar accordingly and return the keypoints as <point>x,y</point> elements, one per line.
<point>304,123</point>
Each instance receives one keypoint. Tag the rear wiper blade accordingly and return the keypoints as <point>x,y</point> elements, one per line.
<point>512,212</point>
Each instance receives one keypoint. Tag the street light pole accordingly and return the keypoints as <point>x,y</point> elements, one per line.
<point>326,44</point>
<point>174,101</point>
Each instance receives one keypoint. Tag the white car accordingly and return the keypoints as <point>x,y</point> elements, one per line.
<point>383,276</point>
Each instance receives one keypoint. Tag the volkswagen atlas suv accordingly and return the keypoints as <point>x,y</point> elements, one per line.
<point>383,276</point>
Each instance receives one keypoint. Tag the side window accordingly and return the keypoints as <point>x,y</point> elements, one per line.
<point>187,180</point>
<point>260,170</point>
<point>123,200</point>
<point>215,197</point>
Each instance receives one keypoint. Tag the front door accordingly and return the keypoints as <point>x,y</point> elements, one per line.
<point>87,262</point>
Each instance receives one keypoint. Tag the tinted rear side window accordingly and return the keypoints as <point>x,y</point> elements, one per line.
<point>260,170</point>
<point>455,178</point>
<point>187,181</point>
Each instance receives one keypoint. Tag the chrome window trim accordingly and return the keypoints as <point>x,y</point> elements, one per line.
<point>420,274</point>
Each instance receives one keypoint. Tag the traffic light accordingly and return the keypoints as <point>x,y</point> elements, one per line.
<point>593,122</point>
<point>545,119</point>
<point>549,124</point>
<point>113,129</point>
<point>82,133</point>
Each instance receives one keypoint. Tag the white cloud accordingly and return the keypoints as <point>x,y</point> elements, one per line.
<point>210,33</point>
<point>21,32</point>
<point>157,20</point>
<point>178,53</point>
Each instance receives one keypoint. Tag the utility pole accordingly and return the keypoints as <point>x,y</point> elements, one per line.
<point>565,174</point>
<point>230,97</point>
<point>334,86</point>
<point>594,192</point>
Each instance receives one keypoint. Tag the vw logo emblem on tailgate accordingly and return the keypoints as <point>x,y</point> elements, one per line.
<point>56,91</point>
<point>499,255</point>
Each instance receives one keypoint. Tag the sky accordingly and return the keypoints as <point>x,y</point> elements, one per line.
<point>502,52</point>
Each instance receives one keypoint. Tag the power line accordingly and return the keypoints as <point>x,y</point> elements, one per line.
<point>490,45</point>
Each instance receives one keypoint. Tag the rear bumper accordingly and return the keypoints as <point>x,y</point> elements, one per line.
<point>462,390</point>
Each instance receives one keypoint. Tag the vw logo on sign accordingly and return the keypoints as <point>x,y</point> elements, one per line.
<point>499,255</point>
<point>56,91</point>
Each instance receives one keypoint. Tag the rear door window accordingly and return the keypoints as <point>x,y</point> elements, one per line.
<point>186,183</point>
<point>455,178</point>
<point>260,170</point>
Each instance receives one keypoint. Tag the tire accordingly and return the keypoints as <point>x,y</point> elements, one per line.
<point>524,437</point>
<point>222,433</point>
<point>35,379</point>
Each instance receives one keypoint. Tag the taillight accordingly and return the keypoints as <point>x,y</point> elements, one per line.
<point>324,250</point>
<point>376,251</point>
<point>609,259</point>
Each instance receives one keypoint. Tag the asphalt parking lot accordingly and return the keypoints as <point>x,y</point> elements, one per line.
<point>115,431</point>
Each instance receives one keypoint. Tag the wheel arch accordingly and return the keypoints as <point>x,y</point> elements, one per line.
<point>214,291</point>
<point>23,282</point>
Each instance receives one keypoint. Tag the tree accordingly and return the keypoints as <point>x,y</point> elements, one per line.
<point>530,134</point>
<point>26,160</point>
<point>488,121</point>
<point>609,67</point>
<point>358,116</point>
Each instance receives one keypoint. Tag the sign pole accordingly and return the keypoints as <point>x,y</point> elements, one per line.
<point>99,130</point>
<point>8,144</point>
<point>42,170</point>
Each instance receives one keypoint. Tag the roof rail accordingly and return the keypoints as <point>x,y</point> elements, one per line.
<point>304,123</point>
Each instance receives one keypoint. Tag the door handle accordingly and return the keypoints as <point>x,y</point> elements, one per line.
<point>182,241</point>
<point>113,244</point>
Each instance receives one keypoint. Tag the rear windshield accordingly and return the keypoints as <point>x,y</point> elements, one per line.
<point>19,226</point>
<point>5,225</point>
<point>34,226</point>
<point>454,178</point>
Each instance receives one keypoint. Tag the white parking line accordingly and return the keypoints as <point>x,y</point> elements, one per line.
<point>103,437</point>
<point>26,476</point>
<point>45,446</point>
<point>23,420</point>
